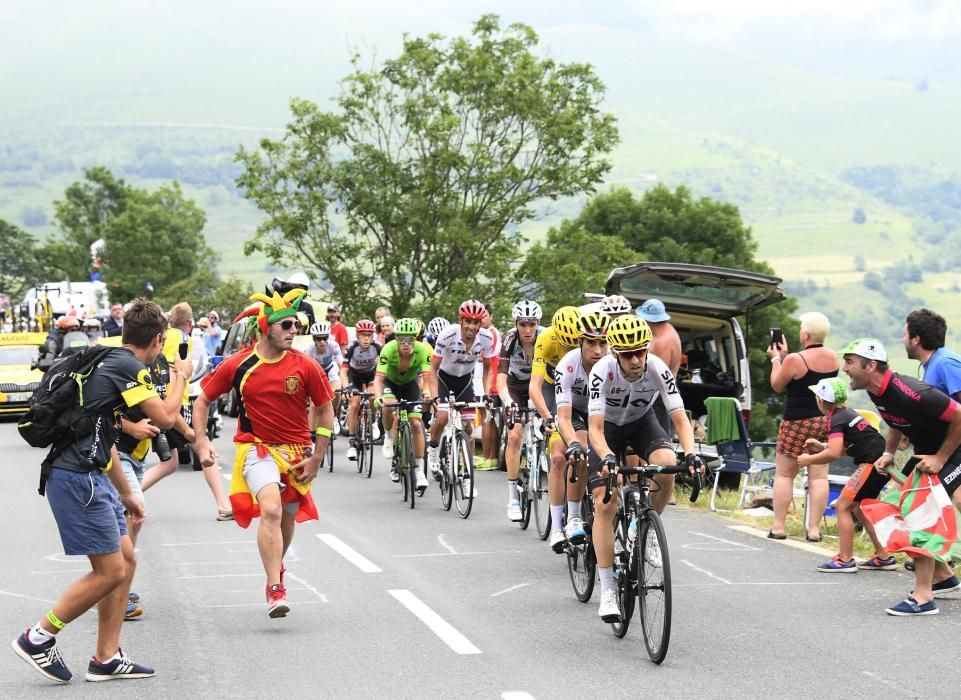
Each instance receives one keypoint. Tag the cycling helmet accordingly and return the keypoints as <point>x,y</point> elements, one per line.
<point>320,328</point>
<point>299,279</point>
<point>616,304</point>
<point>65,322</point>
<point>421,329</point>
<point>91,323</point>
<point>565,325</point>
<point>472,309</point>
<point>365,326</point>
<point>629,333</point>
<point>407,326</point>
<point>594,324</point>
<point>526,310</point>
<point>437,325</point>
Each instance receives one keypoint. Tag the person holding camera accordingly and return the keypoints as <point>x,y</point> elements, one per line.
<point>792,374</point>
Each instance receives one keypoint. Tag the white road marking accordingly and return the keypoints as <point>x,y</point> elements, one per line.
<point>306,585</point>
<point>218,563</point>
<point>805,546</point>
<point>443,543</point>
<point>62,571</point>
<point>258,605</point>
<point>192,544</point>
<point>516,695</point>
<point>60,556</point>
<point>223,576</point>
<point>892,685</point>
<point>27,597</point>
<point>349,553</point>
<point>438,625</point>
<point>448,554</point>
<point>759,583</point>
<point>508,590</point>
<point>706,572</point>
<point>736,545</point>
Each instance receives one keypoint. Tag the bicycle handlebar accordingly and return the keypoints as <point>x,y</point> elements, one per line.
<point>652,470</point>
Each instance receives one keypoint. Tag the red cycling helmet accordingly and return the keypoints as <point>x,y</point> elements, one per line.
<point>472,309</point>
<point>365,326</point>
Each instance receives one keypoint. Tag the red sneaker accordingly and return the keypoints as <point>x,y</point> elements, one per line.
<point>277,601</point>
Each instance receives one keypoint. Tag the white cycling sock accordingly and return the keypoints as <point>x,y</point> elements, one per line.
<point>419,461</point>
<point>574,509</point>
<point>557,517</point>
<point>512,492</point>
<point>38,635</point>
<point>607,577</point>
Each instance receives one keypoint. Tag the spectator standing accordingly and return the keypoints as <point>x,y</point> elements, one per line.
<point>214,335</point>
<point>792,374</point>
<point>337,329</point>
<point>114,325</point>
<point>380,313</point>
<point>488,459</point>
<point>385,330</point>
<point>924,334</point>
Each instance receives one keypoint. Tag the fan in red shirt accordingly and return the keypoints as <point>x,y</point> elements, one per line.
<point>275,463</point>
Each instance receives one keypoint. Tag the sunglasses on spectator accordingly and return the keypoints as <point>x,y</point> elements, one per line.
<point>630,354</point>
<point>405,339</point>
<point>290,323</point>
<point>321,337</point>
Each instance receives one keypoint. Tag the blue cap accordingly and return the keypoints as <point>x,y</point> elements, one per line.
<point>653,311</point>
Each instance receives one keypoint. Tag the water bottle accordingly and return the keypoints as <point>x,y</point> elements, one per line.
<point>696,377</point>
<point>631,533</point>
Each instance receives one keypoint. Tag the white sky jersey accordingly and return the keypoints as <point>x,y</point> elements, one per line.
<point>621,402</point>
<point>570,384</point>
<point>333,356</point>
<point>362,361</point>
<point>457,359</point>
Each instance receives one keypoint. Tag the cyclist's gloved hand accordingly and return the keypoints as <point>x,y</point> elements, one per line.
<point>378,400</point>
<point>548,425</point>
<point>694,463</point>
<point>574,451</point>
<point>608,464</point>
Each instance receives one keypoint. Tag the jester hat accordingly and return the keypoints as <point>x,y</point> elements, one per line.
<point>272,308</point>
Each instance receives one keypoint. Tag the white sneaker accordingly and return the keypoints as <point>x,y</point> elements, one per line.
<point>387,450</point>
<point>557,541</point>
<point>514,511</point>
<point>653,554</point>
<point>352,453</point>
<point>609,610</point>
<point>336,428</point>
<point>421,481</point>
<point>394,475</point>
<point>433,461</point>
<point>375,431</point>
<point>574,530</point>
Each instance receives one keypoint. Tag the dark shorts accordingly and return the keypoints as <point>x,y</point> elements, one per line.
<point>792,434</point>
<point>578,420</point>
<point>358,382</point>
<point>549,392</point>
<point>950,474</point>
<point>518,391</point>
<point>663,417</point>
<point>87,510</point>
<point>403,392</point>
<point>644,436</point>
<point>451,388</point>
<point>865,482</point>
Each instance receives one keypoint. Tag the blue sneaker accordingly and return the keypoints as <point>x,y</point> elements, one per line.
<point>837,565</point>
<point>888,563</point>
<point>948,585</point>
<point>45,658</point>
<point>909,606</point>
<point>117,669</point>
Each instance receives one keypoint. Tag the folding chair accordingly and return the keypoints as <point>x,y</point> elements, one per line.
<point>736,455</point>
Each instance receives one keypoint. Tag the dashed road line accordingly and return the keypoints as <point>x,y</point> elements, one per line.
<point>516,695</point>
<point>26,597</point>
<point>443,543</point>
<point>705,572</point>
<point>698,545</point>
<point>349,553</point>
<point>435,623</point>
<point>754,532</point>
<point>508,590</point>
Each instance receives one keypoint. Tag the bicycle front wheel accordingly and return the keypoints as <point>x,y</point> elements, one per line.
<point>369,442</point>
<point>361,439</point>
<point>524,491</point>
<point>625,591</point>
<point>407,460</point>
<point>581,562</point>
<point>653,571</point>
<point>462,466</point>
<point>538,492</point>
<point>330,453</point>
<point>446,484</point>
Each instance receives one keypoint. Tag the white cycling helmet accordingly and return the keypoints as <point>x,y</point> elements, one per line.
<point>320,328</point>
<point>616,304</point>
<point>525,310</point>
<point>437,325</point>
<point>299,279</point>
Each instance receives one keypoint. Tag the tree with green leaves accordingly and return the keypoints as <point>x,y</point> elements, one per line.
<point>412,192</point>
<point>20,263</point>
<point>667,226</point>
<point>206,291</point>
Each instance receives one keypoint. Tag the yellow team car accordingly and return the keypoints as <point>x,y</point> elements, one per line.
<point>18,352</point>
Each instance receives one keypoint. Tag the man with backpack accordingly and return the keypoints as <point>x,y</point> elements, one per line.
<point>87,490</point>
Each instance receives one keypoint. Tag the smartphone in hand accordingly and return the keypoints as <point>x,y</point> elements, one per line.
<point>776,337</point>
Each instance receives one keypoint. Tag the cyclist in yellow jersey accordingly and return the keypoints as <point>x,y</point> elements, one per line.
<point>551,346</point>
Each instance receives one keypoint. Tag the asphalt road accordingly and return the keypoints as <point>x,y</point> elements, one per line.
<point>752,617</point>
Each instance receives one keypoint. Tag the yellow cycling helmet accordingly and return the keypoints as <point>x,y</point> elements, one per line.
<point>566,325</point>
<point>629,333</point>
<point>594,324</point>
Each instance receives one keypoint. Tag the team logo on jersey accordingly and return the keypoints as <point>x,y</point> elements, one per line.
<point>291,384</point>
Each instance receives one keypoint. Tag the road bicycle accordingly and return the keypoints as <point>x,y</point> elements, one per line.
<point>365,433</point>
<point>642,566</point>
<point>403,462</point>
<point>456,461</point>
<point>534,467</point>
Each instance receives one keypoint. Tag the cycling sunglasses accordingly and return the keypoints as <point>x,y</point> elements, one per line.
<point>630,354</point>
<point>405,340</point>
<point>291,323</point>
<point>321,337</point>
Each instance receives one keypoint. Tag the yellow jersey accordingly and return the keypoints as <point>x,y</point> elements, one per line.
<point>548,351</point>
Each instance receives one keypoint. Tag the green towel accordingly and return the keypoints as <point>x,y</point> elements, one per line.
<point>722,423</point>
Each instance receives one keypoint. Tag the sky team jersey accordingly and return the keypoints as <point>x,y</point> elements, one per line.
<point>916,409</point>
<point>622,402</point>
<point>361,361</point>
<point>514,362</point>
<point>548,351</point>
<point>861,441</point>
<point>273,394</point>
<point>571,382</point>
<point>389,363</point>
<point>456,359</point>
<point>332,357</point>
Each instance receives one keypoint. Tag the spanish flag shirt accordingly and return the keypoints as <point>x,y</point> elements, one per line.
<point>273,394</point>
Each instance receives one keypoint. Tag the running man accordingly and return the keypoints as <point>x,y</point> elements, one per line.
<point>275,462</point>
<point>400,377</point>
<point>623,388</point>
<point>88,493</point>
<point>357,373</point>
<point>513,387</point>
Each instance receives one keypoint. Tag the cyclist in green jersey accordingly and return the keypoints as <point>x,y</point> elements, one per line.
<point>400,370</point>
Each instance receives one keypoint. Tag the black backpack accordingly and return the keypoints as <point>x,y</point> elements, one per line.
<point>56,416</point>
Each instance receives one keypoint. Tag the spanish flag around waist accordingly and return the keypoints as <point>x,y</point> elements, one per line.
<point>244,503</point>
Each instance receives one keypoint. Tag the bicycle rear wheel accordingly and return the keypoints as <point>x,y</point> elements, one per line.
<point>523,491</point>
<point>581,562</point>
<point>538,492</point>
<point>446,484</point>
<point>622,575</point>
<point>361,439</point>
<point>407,460</point>
<point>462,468</point>
<point>653,570</point>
